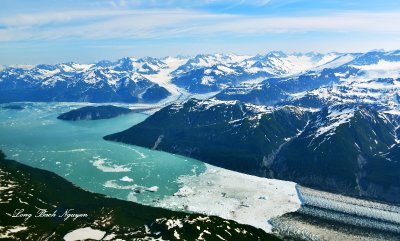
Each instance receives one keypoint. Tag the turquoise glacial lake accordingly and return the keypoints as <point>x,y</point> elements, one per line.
<point>77,152</point>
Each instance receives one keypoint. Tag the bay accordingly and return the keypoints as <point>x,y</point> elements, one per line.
<point>76,151</point>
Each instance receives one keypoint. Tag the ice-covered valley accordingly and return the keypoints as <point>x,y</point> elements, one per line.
<point>231,195</point>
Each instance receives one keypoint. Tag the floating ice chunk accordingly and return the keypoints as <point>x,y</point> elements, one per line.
<point>102,165</point>
<point>113,184</point>
<point>152,189</point>
<point>126,179</point>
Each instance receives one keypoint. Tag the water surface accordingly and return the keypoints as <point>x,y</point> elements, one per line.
<point>76,151</point>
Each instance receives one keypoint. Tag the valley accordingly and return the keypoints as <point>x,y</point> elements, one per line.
<point>303,145</point>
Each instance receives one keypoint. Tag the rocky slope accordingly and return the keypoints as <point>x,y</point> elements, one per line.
<point>344,148</point>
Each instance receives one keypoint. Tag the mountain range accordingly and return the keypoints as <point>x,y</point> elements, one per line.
<point>328,121</point>
<point>105,81</point>
<point>334,127</point>
<point>150,79</point>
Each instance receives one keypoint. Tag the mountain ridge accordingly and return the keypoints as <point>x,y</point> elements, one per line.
<point>349,149</point>
<point>128,79</point>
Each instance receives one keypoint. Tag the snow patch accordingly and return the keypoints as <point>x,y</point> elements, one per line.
<point>84,233</point>
<point>9,233</point>
<point>336,118</point>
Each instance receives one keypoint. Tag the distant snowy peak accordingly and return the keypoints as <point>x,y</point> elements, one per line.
<point>120,81</point>
<point>209,73</point>
<point>276,75</point>
<point>147,65</point>
<point>376,82</point>
<point>281,64</point>
<point>209,61</point>
<point>373,57</point>
<point>274,63</point>
<point>382,93</point>
<point>21,66</point>
<point>336,80</point>
<point>111,77</point>
<point>335,60</point>
<point>89,73</point>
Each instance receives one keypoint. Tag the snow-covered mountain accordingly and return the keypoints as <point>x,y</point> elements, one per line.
<point>121,81</point>
<point>371,78</point>
<point>281,64</point>
<point>262,79</point>
<point>332,122</point>
<point>351,149</point>
<point>376,82</point>
<point>205,73</point>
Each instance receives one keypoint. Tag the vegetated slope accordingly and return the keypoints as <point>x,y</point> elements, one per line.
<point>29,189</point>
<point>344,149</point>
<point>349,149</point>
<point>227,134</point>
<point>94,113</point>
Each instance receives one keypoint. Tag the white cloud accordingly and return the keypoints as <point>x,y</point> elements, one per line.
<point>142,24</point>
<point>57,17</point>
<point>187,3</point>
<point>340,22</point>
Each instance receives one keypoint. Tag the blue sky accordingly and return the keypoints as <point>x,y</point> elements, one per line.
<point>52,31</point>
